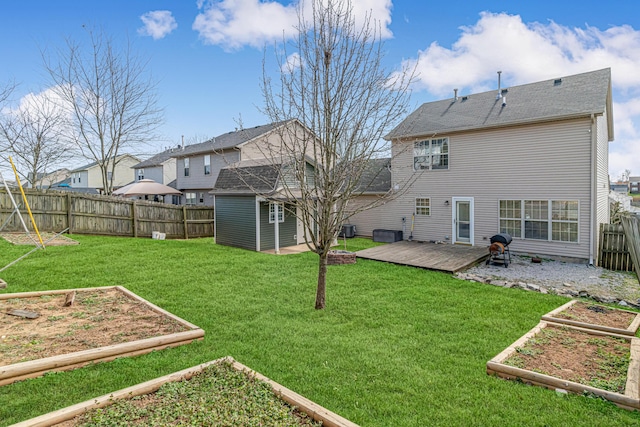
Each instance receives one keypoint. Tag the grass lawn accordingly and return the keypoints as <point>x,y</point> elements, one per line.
<point>396,346</point>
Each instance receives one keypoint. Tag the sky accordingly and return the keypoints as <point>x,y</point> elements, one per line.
<point>207,56</point>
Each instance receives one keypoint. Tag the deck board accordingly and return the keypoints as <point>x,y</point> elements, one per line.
<point>441,257</point>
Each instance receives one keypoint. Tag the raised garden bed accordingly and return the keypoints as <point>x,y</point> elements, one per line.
<point>574,359</point>
<point>141,405</point>
<point>593,316</point>
<point>100,324</point>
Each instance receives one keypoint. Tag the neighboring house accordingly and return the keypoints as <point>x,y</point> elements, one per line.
<point>90,177</point>
<point>46,180</point>
<point>244,217</point>
<point>620,187</point>
<point>634,184</point>
<point>529,160</point>
<point>198,165</point>
<point>160,168</point>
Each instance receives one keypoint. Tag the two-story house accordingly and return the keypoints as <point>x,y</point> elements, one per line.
<point>160,168</point>
<point>89,176</point>
<point>528,160</point>
<point>634,184</point>
<point>198,165</point>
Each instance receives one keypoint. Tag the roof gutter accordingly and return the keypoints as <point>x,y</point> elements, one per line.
<point>496,126</point>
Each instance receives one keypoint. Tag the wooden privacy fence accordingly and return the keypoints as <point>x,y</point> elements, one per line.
<point>55,211</point>
<point>631,226</point>
<point>613,252</point>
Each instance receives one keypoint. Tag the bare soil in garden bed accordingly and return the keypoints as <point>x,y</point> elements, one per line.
<point>97,318</point>
<point>598,315</point>
<point>577,356</point>
<point>49,239</point>
<point>219,395</point>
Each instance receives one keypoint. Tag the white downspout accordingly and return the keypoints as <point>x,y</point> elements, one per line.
<point>276,229</point>
<point>594,183</point>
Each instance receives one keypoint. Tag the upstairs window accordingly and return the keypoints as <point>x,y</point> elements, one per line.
<point>140,174</point>
<point>431,154</point>
<point>207,164</point>
<point>186,166</point>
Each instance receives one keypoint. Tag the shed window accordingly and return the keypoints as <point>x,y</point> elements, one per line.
<point>272,212</point>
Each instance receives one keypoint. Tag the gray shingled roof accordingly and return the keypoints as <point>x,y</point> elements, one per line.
<point>92,164</point>
<point>227,140</point>
<point>157,160</point>
<point>376,177</point>
<point>565,97</point>
<point>247,179</point>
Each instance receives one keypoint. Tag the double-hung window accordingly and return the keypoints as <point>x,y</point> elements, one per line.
<point>272,212</point>
<point>551,220</point>
<point>186,166</point>
<point>207,164</point>
<point>190,198</point>
<point>140,174</point>
<point>431,154</point>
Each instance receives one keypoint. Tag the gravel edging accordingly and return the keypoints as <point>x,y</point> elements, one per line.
<point>561,278</point>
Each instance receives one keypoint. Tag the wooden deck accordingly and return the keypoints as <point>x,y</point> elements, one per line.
<point>441,257</point>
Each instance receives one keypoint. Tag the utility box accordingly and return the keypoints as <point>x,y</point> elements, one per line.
<point>348,231</point>
<point>387,236</point>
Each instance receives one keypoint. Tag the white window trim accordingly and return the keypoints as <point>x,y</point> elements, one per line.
<point>415,206</point>
<point>272,212</point>
<point>431,155</point>
<point>186,166</point>
<point>549,220</point>
<point>472,220</point>
<point>207,163</point>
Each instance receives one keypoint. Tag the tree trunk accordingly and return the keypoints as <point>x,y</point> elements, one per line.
<point>322,282</point>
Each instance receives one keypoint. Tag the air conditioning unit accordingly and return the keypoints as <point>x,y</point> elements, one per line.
<point>348,231</point>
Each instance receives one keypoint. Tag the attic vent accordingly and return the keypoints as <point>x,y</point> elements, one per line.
<point>557,82</point>
<point>505,91</point>
<point>464,98</point>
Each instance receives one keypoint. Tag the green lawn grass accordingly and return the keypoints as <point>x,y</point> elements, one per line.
<point>396,346</point>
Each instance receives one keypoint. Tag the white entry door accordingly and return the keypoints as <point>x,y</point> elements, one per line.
<point>462,220</point>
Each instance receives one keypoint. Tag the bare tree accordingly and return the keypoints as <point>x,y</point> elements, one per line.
<point>111,99</point>
<point>624,177</point>
<point>33,136</point>
<point>332,80</point>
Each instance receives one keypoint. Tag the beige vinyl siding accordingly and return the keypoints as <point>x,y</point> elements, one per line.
<point>269,145</point>
<point>368,220</point>
<point>536,162</point>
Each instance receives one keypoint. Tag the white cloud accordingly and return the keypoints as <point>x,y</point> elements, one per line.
<point>233,24</point>
<point>530,52</point>
<point>157,24</point>
<point>292,63</point>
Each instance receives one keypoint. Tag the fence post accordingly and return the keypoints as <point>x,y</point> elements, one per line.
<point>69,214</point>
<point>184,219</point>
<point>134,212</point>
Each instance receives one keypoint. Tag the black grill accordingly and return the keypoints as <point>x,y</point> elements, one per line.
<point>499,252</point>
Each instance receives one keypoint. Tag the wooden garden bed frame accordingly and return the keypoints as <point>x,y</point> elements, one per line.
<point>313,410</point>
<point>629,331</point>
<point>35,368</point>
<point>629,400</point>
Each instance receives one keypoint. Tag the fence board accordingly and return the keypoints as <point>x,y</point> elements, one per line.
<point>54,211</point>
<point>631,226</point>
<point>613,251</point>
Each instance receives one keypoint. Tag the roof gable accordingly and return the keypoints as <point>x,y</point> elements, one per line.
<point>578,95</point>
<point>229,140</point>
<point>157,160</point>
